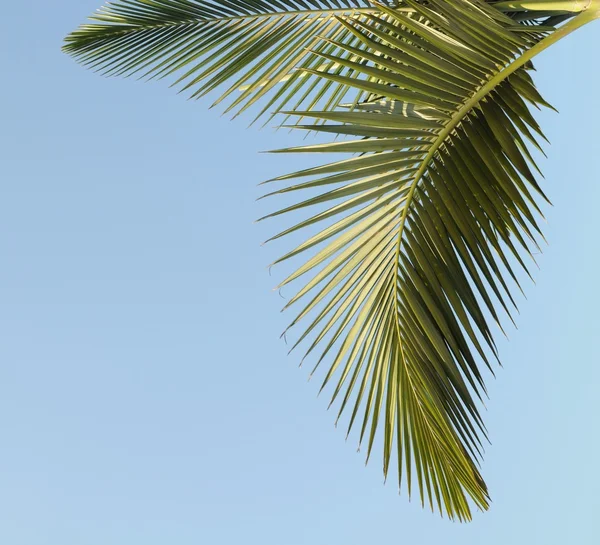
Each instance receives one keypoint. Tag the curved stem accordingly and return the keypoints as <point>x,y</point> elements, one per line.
<point>527,5</point>
<point>593,12</point>
<point>572,6</point>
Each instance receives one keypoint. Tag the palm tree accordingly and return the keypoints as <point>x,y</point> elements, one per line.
<point>423,227</point>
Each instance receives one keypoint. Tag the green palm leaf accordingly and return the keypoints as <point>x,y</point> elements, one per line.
<point>253,45</point>
<point>420,228</point>
<point>418,235</point>
<point>249,45</point>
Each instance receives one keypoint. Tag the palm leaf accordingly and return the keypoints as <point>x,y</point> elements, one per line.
<point>422,231</point>
<point>250,45</point>
<point>253,45</point>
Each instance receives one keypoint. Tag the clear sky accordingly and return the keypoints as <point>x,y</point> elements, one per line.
<point>144,395</point>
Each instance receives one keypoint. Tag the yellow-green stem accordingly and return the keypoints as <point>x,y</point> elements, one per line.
<point>572,6</point>
<point>592,12</point>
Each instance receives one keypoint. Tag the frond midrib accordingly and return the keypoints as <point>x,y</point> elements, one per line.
<point>464,111</point>
<point>77,36</point>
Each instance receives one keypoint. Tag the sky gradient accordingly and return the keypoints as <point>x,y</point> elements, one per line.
<point>144,395</point>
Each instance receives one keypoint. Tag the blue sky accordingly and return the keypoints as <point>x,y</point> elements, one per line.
<point>144,395</point>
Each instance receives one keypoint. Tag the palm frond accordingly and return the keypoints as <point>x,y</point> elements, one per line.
<point>258,48</point>
<point>422,231</point>
<point>203,44</point>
